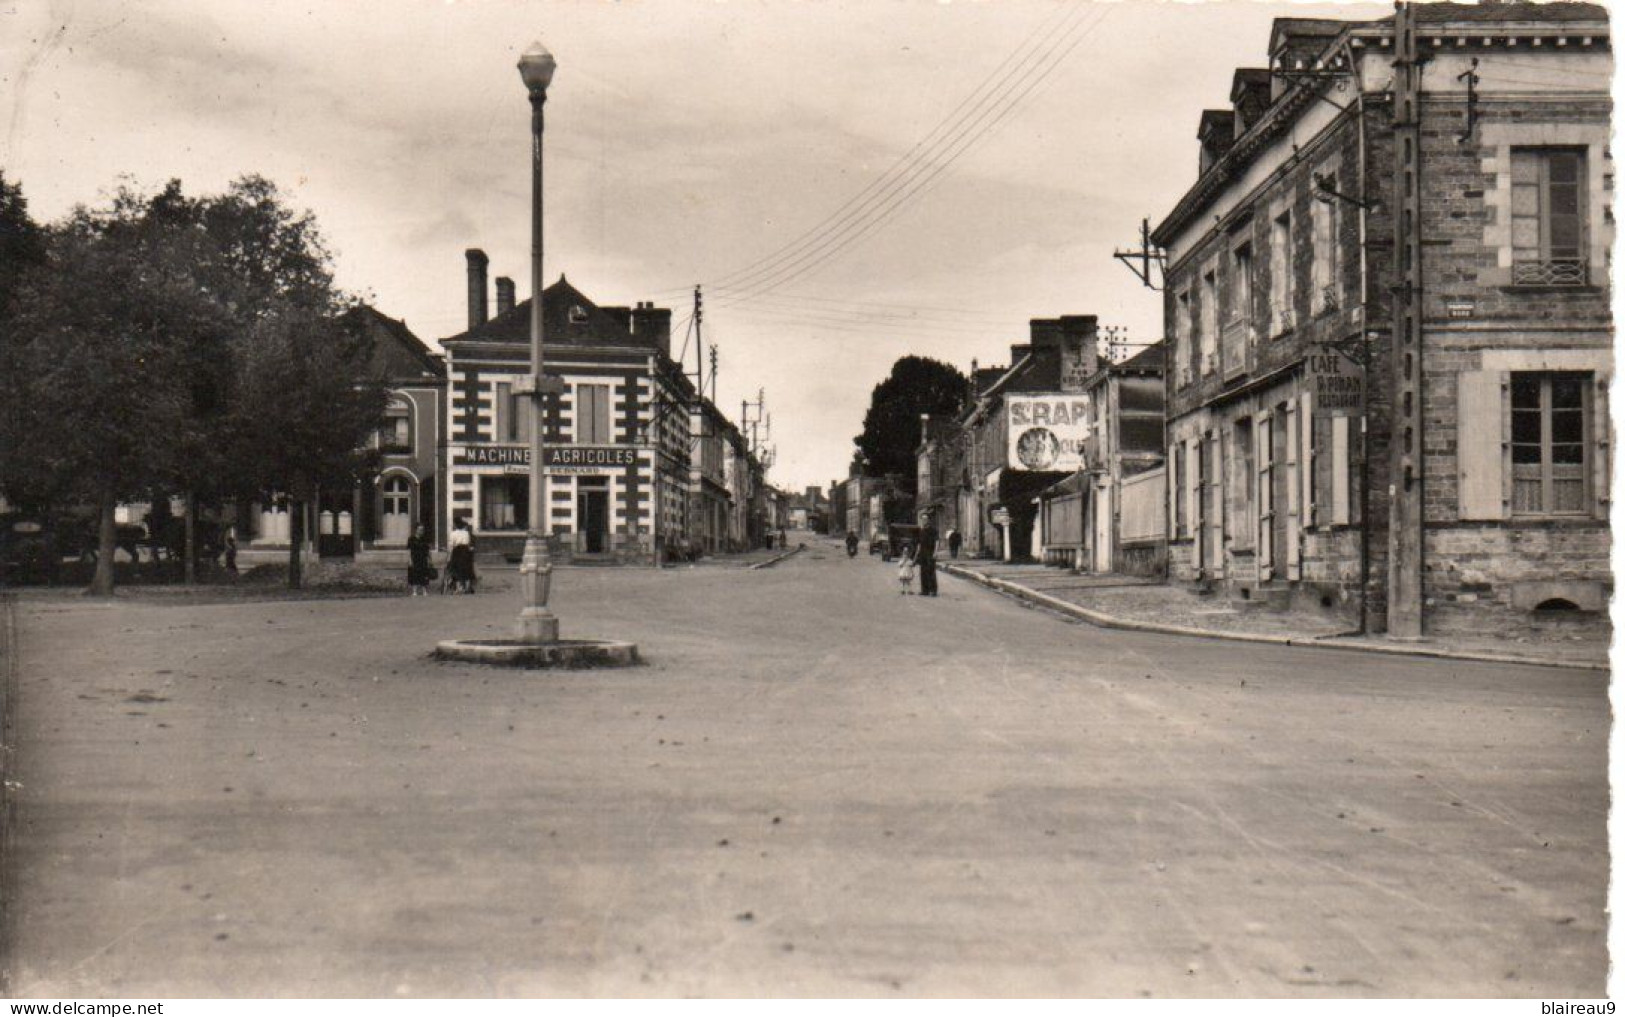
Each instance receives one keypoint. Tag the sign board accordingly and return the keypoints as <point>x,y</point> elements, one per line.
<point>999,516</point>
<point>1336,382</point>
<point>1047,431</point>
<point>555,458</point>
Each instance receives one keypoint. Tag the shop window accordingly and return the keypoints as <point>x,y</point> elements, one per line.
<point>1548,217</point>
<point>504,502</point>
<point>1551,435</point>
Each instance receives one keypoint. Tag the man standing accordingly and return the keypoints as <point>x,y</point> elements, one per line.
<point>925,556</point>
<point>953,543</point>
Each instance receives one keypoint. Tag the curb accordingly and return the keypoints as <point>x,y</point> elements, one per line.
<point>9,672</point>
<point>1107,621</point>
<point>777,558</point>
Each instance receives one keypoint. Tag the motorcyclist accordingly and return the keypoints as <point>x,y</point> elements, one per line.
<point>851,544</point>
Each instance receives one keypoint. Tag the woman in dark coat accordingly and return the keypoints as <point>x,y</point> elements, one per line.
<point>419,571</point>
<point>461,565</point>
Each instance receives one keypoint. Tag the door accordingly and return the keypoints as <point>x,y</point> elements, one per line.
<point>395,519</point>
<point>592,511</point>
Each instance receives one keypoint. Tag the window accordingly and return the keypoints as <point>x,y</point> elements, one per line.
<point>1548,217</point>
<point>1281,289</point>
<point>1209,331</point>
<point>1550,435</point>
<point>396,433</point>
<point>504,501</point>
<point>592,415</point>
<point>395,520</point>
<point>397,496</point>
<point>578,314</point>
<point>1184,337</point>
<point>1323,293</point>
<point>1241,284</point>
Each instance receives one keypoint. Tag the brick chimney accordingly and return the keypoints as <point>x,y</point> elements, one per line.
<point>1080,350</point>
<point>504,295</point>
<point>652,326</point>
<point>477,261</point>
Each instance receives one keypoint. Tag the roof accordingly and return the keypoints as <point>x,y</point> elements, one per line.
<point>568,318</point>
<point>406,354</point>
<point>1151,358</point>
<point>1434,13</point>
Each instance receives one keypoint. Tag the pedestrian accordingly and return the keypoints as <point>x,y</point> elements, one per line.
<point>419,570</point>
<point>231,549</point>
<point>925,556</point>
<point>953,543</point>
<point>905,574</point>
<point>851,544</point>
<point>460,568</point>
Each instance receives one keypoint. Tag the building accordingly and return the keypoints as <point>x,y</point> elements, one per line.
<point>1109,516</point>
<point>618,437</point>
<point>371,520</point>
<point>1023,432</point>
<point>1435,241</point>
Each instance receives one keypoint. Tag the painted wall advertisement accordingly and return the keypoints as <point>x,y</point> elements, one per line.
<point>1047,432</point>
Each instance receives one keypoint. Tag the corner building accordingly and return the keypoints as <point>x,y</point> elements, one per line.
<point>617,438</point>
<point>1419,207</point>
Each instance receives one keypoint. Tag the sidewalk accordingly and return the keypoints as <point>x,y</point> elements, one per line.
<point>1150,605</point>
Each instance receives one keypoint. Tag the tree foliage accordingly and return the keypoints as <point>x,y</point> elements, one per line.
<point>165,343</point>
<point>891,428</point>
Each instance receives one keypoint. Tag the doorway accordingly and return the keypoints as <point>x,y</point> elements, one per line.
<point>592,515</point>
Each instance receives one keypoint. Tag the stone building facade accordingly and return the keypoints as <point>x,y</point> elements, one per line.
<point>1323,224</point>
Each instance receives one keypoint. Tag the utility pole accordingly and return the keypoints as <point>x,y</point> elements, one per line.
<point>713,372</point>
<point>1405,513</point>
<point>699,343</point>
<point>1142,261</point>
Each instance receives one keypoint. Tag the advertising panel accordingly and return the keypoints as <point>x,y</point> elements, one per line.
<point>1047,431</point>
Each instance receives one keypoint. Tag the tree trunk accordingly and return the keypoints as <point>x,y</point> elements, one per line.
<point>296,544</point>
<point>101,584</point>
<point>189,550</point>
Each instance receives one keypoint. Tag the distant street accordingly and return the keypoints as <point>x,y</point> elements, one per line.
<point>816,787</point>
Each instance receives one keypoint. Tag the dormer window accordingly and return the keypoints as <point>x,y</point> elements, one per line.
<point>578,314</point>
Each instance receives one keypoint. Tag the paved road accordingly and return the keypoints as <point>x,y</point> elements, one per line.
<point>817,787</point>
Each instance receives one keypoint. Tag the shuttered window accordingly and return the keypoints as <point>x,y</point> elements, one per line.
<point>592,415</point>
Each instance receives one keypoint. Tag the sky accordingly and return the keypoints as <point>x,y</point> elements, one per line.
<point>852,182</point>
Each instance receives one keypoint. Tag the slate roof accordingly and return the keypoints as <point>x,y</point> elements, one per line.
<point>404,355</point>
<point>568,318</point>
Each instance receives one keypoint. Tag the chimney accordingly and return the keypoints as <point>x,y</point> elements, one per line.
<point>504,295</point>
<point>1080,350</point>
<point>1045,332</point>
<point>476,286</point>
<point>652,326</point>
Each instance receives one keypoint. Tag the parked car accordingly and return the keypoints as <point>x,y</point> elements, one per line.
<point>890,542</point>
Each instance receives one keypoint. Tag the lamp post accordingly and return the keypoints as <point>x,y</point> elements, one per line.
<point>536,623</point>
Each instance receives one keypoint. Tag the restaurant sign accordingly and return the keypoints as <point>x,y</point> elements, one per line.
<point>1047,432</point>
<point>1335,380</point>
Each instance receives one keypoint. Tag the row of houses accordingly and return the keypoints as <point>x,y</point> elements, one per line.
<point>640,466</point>
<point>1383,388</point>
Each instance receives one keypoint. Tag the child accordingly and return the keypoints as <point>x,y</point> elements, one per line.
<point>905,571</point>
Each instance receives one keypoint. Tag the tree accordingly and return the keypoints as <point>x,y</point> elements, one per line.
<point>890,440</point>
<point>91,357</point>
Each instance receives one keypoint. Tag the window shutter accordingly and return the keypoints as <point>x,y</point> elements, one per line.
<point>1193,472</point>
<point>1603,442</point>
<point>1170,484</point>
<point>1480,445</point>
<point>501,408</point>
<point>1340,471</point>
<point>1306,459</point>
<point>1294,504</point>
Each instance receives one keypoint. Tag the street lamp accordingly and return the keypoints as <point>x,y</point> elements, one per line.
<point>536,623</point>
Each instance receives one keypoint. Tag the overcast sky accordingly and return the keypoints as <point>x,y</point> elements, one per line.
<point>687,141</point>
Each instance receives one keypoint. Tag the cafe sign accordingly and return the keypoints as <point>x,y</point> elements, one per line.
<point>1336,383</point>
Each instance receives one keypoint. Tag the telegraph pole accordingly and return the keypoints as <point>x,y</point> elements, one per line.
<point>699,343</point>
<point>1405,514</point>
